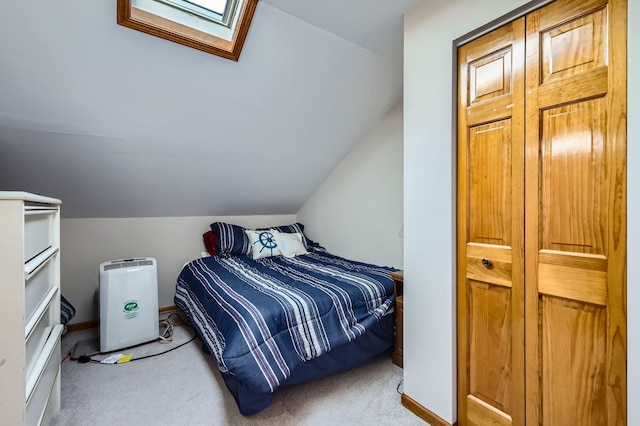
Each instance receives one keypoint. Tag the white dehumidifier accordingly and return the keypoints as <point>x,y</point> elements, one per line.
<point>128,303</point>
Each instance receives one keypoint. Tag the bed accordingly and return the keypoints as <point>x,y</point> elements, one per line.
<point>67,312</point>
<point>280,319</point>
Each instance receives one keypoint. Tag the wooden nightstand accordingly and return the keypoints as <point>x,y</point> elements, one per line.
<point>398,282</point>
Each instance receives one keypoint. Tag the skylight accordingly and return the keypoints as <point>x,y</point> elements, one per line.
<point>216,6</point>
<point>215,26</point>
<point>218,11</point>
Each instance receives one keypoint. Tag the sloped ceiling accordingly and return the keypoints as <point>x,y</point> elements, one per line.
<point>118,123</point>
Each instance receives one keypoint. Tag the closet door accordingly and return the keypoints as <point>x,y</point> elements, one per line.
<point>491,228</point>
<point>576,213</point>
<point>542,219</point>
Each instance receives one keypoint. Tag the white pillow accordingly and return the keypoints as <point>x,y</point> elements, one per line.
<point>290,245</point>
<point>263,243</point>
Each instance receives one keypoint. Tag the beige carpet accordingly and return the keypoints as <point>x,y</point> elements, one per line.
<point>184,387</point>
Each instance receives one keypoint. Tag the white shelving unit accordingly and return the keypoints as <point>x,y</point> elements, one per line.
<point>30,304</point>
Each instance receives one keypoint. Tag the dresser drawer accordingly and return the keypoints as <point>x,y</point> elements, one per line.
<point>38,333</point>
<point>40,277</point>
<point>41,380</point>
<point>39,227</point>
<point>53,404</point>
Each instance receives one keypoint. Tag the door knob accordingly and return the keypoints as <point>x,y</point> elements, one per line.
<point>486,263</point>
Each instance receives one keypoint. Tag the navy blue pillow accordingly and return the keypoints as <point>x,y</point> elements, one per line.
<point>67,311</point>
<point>231,239</point>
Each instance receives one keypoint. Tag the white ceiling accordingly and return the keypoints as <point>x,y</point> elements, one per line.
<point>118,123</point>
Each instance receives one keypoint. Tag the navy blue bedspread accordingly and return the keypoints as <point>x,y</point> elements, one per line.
<point>263,318</point>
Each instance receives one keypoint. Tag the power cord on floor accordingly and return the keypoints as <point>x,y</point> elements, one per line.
<point>152,355</point>
<point>166,336</point>
<point>73,357</point>
<point>398,387</point>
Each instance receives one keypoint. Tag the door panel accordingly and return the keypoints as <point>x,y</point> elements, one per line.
<point>490,76</point>
<point>501,270</point>
<point>481,413</point>
<point>572,207</point>
<point>489,166</point>
<point>490,244</point>
<point>576,47</point>
<point>490,339</point>
<point>574,217</point>
<point>573,354</point>
<point>581,278</point>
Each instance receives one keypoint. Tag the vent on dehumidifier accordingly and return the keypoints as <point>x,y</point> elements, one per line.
<point>128,303</point>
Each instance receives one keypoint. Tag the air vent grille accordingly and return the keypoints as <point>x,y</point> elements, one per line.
<point>128,263</point>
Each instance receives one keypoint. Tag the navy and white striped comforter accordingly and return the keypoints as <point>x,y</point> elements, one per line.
<point>262,318</point>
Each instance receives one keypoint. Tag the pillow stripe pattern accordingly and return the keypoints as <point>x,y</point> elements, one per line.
<point>67,311</point>
<point>231,239</point>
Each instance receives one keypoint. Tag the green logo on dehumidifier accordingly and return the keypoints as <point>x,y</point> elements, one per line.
<point>131,306</point>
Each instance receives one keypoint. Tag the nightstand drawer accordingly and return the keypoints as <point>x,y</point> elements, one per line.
<point>37,337</point>
<point>40,277</point>
<point>39,227</point>
<point>40,382</point>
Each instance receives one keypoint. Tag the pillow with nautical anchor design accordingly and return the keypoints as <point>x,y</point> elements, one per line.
<point>263,243</point>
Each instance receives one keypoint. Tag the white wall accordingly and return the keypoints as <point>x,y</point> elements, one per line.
<point>357,211</point>
<point>429,208</point>
<point>85,243</point>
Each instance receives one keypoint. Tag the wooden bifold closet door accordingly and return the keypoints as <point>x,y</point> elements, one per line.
<point>542,219</point>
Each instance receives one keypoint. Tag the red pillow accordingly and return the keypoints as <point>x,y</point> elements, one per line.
<point>210,239</point>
